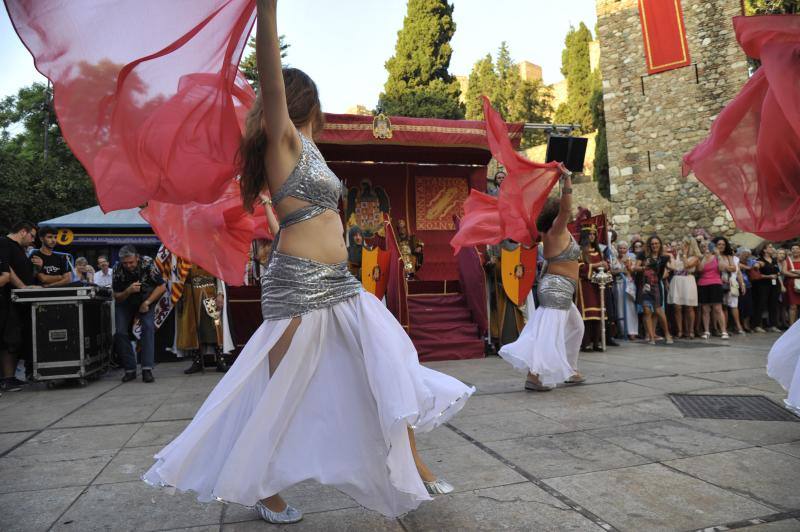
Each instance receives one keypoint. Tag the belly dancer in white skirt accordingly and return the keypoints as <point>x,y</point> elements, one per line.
<point>329,387</point>
<point>549,344</point>
<point>783,365</point>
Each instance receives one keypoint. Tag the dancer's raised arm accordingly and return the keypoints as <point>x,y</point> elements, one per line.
<point>275,118</point>
<point>565,206</point>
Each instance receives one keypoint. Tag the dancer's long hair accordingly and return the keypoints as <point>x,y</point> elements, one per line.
<point>548,214</point>
<point>302,101</point>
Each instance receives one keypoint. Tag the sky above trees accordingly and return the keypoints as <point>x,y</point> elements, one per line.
<point>344,45</point>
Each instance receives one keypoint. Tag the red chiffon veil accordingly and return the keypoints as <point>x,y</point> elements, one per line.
<point>512,214</point>
<point>149,98</point>
<point>751,159</point>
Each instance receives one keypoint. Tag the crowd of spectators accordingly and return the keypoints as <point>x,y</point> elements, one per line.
<point>134,281</point>
<point>699,287</point>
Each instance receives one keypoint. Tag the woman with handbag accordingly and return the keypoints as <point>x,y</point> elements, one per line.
<point>791,272</point>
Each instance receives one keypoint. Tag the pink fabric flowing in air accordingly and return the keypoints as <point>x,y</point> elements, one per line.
<point>512,214</point>
<point>149,98</point>
<point>751,159</point>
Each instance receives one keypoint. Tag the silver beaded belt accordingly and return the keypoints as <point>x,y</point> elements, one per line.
<point>292,286</point>
<point>556,291</point>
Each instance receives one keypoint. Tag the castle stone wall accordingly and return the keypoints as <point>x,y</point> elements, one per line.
<point>652,121</point>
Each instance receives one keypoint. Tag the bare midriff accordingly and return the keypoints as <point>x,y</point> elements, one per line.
<point>320,239</point>
<point>553,246</point>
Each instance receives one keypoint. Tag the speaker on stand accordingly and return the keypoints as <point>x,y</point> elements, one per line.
<point>568,150</point>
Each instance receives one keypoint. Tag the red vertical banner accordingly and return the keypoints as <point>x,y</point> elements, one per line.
<point>664,33</point>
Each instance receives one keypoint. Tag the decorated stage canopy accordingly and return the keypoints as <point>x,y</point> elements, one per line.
<point>407,140</point>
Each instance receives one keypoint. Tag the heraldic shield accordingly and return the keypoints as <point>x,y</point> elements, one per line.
<point>375,270</point>
<point>518,268</point>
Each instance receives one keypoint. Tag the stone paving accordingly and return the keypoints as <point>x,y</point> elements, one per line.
<point>613,454</point>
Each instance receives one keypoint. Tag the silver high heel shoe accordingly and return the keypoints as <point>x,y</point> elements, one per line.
<point>287,516</point>
<point>438,487</point>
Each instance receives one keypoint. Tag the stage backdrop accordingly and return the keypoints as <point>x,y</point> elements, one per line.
<point>438,199</point>
<point>422,196</point>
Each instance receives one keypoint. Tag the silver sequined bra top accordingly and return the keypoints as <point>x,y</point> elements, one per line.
<point>571,252</point>
<point>311,181</point>
<point>292,286</point>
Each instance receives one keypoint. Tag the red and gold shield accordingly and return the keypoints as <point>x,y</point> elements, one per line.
<point>518,269</point>
<point>375,270</point>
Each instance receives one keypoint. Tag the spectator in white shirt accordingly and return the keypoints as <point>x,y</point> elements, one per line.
<point>102,277</point>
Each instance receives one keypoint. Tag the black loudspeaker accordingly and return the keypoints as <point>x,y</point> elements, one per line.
<point>568,150</point>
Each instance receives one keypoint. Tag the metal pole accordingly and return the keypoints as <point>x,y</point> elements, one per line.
<point>555,127</point>
<point>603,316</point>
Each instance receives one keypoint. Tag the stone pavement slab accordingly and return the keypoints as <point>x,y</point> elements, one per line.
<point>614,453</point>
<point>515,507</point>
<point>558,455</point>
<point>34,510</point>
<point>136,506</point>
<point>761,474</point>
<point>45,471</point>
<point>653,497</point>
<point>9,440</point>
<point>157,433</point>
<point>58,441</point>
<point>667,439</point>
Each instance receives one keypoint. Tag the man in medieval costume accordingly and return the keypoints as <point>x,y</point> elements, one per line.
<point>199,316</point>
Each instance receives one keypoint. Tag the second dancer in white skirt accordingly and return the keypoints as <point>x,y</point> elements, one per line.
<point>548,346</point>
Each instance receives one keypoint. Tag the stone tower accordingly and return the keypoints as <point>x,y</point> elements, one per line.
<point>653,120</point>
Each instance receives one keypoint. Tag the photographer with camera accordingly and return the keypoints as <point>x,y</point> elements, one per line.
<point>137,285</point>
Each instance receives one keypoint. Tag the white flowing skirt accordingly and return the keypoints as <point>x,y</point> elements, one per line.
<point>335,411</point>
<point>783,365</point>
<point>548,345</point>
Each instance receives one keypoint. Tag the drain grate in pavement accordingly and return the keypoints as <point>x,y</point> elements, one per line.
<point>753,407</point>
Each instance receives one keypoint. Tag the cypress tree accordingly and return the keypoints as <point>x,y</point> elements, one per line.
<point>575,67</point>
<point>419,83</point>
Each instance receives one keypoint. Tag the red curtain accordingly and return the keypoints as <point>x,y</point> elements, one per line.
<point>751,158</point>
<point>150,100</point>
<point>664,34</point>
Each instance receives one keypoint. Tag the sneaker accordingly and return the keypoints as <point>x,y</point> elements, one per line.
<point>7,385</point>
<point>16,382</point>
<point>741,332</point>
<point>147,376</point>
<point>759,330</point>
<point>725,336</point>
<point>129,376</point>
<point>774,329</point>
<point>705,335</point>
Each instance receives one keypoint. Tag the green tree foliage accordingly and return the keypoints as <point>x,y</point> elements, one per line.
<point>516,99</point>
<point>36,187</point>
<point>419,83</point>
<point>575,67</point>
<point>600,170</point>
<point>771,7</point>
<point>248,65</point>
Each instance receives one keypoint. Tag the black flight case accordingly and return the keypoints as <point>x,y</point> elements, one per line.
<point>72,331</point>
